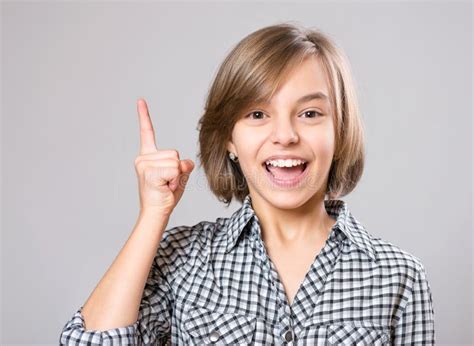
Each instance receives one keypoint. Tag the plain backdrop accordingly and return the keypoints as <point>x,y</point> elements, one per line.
<point>71,75</point>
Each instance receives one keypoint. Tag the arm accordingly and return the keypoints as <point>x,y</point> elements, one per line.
<point>416,325</point>
<point>130,304</point>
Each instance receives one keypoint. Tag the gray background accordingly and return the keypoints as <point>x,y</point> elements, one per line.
<point>71,75</point>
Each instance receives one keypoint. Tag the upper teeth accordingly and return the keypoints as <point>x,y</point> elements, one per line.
<point>285,163</point>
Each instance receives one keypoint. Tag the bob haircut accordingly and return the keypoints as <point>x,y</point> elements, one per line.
<point>251,73</point>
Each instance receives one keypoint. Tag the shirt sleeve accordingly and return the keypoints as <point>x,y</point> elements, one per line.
<point>416,325</point>
<point>153,324</point>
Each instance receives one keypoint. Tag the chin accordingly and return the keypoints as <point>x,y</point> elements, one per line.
<point>288,199</point>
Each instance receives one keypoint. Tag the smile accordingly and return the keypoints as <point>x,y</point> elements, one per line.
<point>286,177</point>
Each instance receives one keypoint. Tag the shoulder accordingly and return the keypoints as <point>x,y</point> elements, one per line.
<point>406,273</point>
<point>184,236</point>
<point>179,243</point>
<point>393,259</point>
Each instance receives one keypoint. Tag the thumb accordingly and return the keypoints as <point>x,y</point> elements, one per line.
<point>179,183</point>
<point>186,166</point>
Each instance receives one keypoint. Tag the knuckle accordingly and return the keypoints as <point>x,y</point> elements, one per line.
<point>139,164</point>
<point>175,164</point>
<point>175,153</point>
<point>172,171</point>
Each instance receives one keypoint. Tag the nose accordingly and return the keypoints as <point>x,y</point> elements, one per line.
<point>283,132</point>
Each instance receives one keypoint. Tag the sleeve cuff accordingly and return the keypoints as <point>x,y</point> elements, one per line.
<point>74,333</point>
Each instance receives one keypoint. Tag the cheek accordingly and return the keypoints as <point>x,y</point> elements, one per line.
<point>248,142</point>
<point>327,146</point>
<point>322,144</point>
<point>249,148</point>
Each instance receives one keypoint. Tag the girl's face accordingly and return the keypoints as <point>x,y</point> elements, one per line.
<point>291,125</point>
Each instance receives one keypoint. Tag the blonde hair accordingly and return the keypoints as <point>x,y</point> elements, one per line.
<point>250,73</point>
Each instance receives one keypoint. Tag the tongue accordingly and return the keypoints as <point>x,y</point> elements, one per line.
<point>286,173</point>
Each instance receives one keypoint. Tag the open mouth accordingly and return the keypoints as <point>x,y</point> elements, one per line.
<point>286,173</point>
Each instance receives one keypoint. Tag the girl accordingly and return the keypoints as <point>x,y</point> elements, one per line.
<point>282,134</point>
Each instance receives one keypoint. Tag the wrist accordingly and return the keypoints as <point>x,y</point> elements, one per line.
<point>154,213</point>
<point>153,218</point>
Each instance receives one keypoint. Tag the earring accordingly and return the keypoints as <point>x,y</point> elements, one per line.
<point>233,157</point>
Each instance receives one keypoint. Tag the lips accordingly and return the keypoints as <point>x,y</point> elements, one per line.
<point>286,179</point>
<point>285,173</point>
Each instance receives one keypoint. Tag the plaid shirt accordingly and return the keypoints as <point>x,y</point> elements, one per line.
<point>214,283</point>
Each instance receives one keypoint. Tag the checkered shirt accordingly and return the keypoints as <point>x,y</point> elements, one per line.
<point>214,283</point>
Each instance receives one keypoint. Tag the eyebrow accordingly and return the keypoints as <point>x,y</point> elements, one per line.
<point>319,95</point>
<point>314,96</point>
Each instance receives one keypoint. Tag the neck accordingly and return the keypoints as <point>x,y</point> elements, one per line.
<point>305,224</point>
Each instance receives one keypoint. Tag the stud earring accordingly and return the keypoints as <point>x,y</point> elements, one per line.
<point>233,157</point>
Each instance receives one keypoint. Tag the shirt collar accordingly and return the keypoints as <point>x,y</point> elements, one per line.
<point>345,222</point>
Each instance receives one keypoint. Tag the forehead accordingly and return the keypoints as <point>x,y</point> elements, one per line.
<point>301,83</point>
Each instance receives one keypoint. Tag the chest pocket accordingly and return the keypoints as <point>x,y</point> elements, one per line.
<point>347,334</point>
<point>218,328</point>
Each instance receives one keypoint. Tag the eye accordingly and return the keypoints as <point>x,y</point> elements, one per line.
<point>313,114</point>
<point>308,114</point>
<point>258,114</point>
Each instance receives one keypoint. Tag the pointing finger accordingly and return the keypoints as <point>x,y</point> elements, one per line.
<point>147,134</point>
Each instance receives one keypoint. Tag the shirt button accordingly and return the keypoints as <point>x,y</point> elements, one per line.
<point>288,336</point>
<point>214,336</point>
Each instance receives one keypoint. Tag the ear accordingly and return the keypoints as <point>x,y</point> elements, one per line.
<point>231,147</point>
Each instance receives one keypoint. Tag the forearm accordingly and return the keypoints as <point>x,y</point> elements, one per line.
<point>116,299</point>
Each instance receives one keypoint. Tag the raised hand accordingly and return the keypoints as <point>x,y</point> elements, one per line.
<point>162,176</point>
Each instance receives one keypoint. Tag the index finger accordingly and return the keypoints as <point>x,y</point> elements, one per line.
<point>147,134</point>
